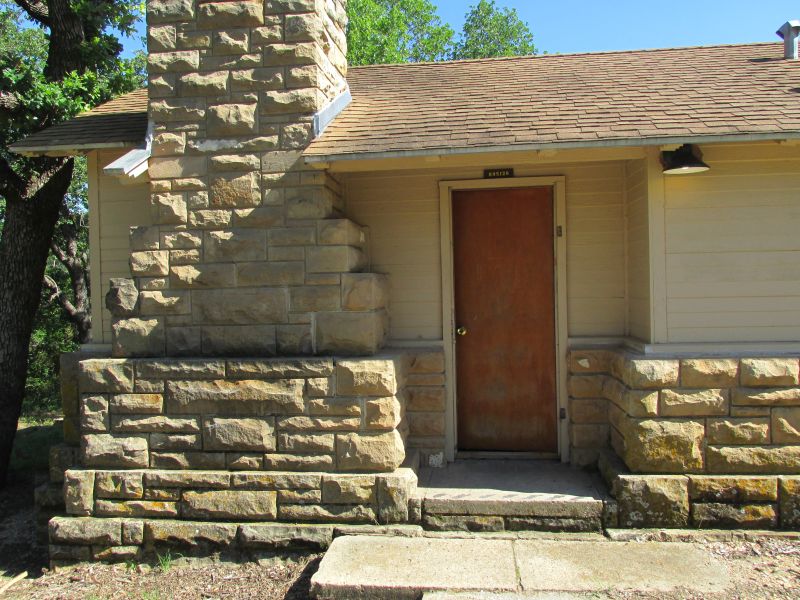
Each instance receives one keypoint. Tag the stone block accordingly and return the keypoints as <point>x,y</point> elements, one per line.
<point>650,373</point>
<point>280,368</point>
<point>173,62</point>
<point>474,523</point>
<point>138,337</point>
<point>693,403</point>
<point>327,513</point>
<point>261,216</point>
<point>422,424</point>
<point>298,101</point>
<point>314,298</point>
<point>176,442</point>
<point>753,459</point>
<point>230,504</point>
<point>210,218</point>
<point>766,397</point>
<point>733,490</point>
<point>150,263</point>
<point>283,536</point>
<point>187,479</point>
<point>230,42</point>
<point>769,372</point>
<point>652,501</point>
<point>240,307</point>
<point>350,333</point>
<point>367,377</point>
<point>743,516</point>
<point>383,413</point>
<point>122,298</point>
<point>164,303</point>
<point>86,531</point>
<point>300,442</point>
<point>241,13</point>
<point>69,554</point>
<point>364,291</point>
<point>709,373</point>
<point>79,492</point>
<point>132,533</point>
<point>294,340</point>
<point>135,508</point>
<point>334,259</point>
<point>235,245</point>
<point>586,386</point>
<point>268,34</point>
<point>318,424</point>
<point>154,424</point>
<point>189,534</point>
<point>235,398</point>
<point>587,435</point>
<point>239,434</point>
<point>232,119</point>
<point>665,446</point>
<point>177,111</point>
<point>181,240</point>
<point>184,369</point>
<point>169,11</point>
<point>738,431</point>
<point>381,452</point>
<point>341,407</point>
<point>203,276</point>
<point>184,341</point>
<point>176,167</point>
<point>234,162</point>
<point>589,361</point>
<point>299,462</point>
<point>94,414</point>
<point>276,481</point>
<point>169,209</point>
<point>789,495</point>
<point>187,460</point>
<point>786,425</point>
<point>428,399</point>
<point>108,451</point>
<point>235,191</point>
<point>167,144</point>
<point>302,53</point>
<point>344,489</point>
<point>248,80</point>
<point>582,410</point>
<point>240,340</point>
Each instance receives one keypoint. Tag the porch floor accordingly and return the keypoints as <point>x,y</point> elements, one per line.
<point>518,494</point>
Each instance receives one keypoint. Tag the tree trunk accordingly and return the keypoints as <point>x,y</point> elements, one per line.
<point>24,246</point>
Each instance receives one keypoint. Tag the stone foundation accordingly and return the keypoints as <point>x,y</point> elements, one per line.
<point>187,452</point>
<point>703,442</point>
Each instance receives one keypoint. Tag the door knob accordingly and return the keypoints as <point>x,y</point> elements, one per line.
<point>461,331</point>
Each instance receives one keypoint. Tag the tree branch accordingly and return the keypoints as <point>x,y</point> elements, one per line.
<point>36,10</point>
<point>11,184</point>
<point>61,297</point>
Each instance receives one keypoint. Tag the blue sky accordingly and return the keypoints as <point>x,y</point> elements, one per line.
<point>592,25</point>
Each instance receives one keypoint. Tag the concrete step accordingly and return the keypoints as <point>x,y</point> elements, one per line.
<point>369,567</point>
<point>497,495</point>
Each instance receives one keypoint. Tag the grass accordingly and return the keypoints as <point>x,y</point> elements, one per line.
<point>165,561</point>
<point>32,444</point>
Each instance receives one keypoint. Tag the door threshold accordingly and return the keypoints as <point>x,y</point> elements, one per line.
<point>490,455</point>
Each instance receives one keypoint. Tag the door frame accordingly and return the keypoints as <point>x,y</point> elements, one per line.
<point>446,189</point>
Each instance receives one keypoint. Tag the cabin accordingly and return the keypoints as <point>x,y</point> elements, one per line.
<point>313,284</point>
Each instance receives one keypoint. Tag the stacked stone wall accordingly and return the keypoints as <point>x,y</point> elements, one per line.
<point>426,402</point>
<point>704,441</point>
<point>249,253</point>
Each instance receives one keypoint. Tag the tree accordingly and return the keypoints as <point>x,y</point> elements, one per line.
<point>395,31</point>
<point>57,58</point>
<point>490,31</point>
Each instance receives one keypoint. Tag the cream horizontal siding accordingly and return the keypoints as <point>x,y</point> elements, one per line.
<point>113,209</point>
<point>638,250</point>
<point>401,210</point>
<point>733,247</point>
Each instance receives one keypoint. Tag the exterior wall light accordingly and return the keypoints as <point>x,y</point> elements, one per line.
<point>685,160</point>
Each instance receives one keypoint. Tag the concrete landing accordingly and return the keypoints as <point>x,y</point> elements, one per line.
<point>362,567</point>
<point>535,494</point>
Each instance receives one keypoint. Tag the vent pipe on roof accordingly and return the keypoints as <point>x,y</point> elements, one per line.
<point>790,32</point>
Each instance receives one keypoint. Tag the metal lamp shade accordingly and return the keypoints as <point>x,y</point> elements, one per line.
<point>685,160</point>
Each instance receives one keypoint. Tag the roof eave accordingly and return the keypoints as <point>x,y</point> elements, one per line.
<point>70,149</point>
<point>567,145</point>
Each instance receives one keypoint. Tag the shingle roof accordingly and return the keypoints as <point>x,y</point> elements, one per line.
<point>579,99</point>
<point>608,98</point>
<point>122,122</point>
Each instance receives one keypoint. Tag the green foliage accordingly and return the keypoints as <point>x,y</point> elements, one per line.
<point>27,456</point>
<point>490,31</point>
<point>165,560</point>
<point>395,31</point>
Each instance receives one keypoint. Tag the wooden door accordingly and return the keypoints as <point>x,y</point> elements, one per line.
<point>504,278</point>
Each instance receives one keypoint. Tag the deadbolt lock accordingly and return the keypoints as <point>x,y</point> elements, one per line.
<point>461,331</point>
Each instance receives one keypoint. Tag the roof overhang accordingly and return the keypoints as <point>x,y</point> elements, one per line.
<point>60,150</point>
<point>322,161</point>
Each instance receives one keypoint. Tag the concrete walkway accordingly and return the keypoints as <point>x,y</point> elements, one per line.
<point>365,567</point>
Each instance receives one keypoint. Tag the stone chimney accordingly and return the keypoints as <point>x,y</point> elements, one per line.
<point>249,253</point>
<point>790,33</point>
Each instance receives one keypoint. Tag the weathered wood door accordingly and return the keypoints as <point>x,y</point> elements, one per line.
<point>504,278</point>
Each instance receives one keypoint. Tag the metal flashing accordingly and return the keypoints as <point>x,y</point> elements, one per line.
<point>324,117</point>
